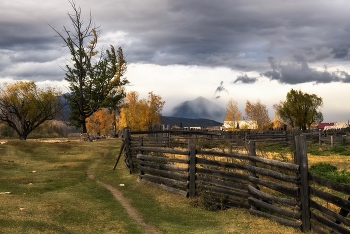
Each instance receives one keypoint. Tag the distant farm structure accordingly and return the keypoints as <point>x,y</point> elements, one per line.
<point>240,124</point>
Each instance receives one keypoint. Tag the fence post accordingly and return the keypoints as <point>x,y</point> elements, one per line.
<point>140,160</point>
<point>331,141</point>
<point>169,139</point>
<point>128,159</point>
<point>302,161</point>
<point>252,153</point>
<point>192,168</point>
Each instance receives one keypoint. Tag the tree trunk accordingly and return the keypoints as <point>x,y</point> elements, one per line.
<point>82,121</point>
<point>83,127</point>
<point>22,137</point>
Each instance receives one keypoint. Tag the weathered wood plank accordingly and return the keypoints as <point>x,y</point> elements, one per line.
<point>238,177</point>
<point>343,188</point>
<point>208,162</point>
<point>162,150</point>
<point>168,174</point>
<point>227,184</point>
<point>288,213</point>
<point>329,224</point>
<point>224,191</point>
<point>227,202</point>
<point>220,154</point>
<point>166,181</point>
<point>342,203</point>
<point>283,165</point>
<point>223,183</point>
<point>316,228</point>
<point>291,191</point>
<point>161,159</point>
<point>274,174</point>
<point>192,169</point>
<point>277,219</point>
<point>301,156</point>
<point>329,213</point>
<point>162,186</point>
<point>165,166</point>
<point>264,196</point>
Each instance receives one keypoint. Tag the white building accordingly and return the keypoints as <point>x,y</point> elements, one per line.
<point>241,124</point>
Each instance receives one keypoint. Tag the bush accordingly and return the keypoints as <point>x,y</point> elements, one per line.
<point>330,172</point>
<point>322,168</point>
<point>337,149</point>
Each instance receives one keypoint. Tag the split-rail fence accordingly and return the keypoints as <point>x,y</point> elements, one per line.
<point>285,192</point>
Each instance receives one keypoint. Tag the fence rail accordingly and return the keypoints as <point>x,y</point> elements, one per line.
<point>284,192</point>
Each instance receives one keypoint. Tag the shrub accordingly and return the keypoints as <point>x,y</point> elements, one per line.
<point>330,172</point>
<point>337,149</point>
<point>322,168</point>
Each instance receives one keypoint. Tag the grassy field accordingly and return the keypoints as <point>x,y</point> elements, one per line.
<point>44,189</point>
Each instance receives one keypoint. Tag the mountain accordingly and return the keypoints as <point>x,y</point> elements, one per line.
<point>199,108</point>
<point>186,122</point>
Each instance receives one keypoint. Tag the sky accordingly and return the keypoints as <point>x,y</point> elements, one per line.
<point>182,49</point>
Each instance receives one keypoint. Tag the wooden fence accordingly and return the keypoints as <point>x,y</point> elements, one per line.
<point>284,192</point>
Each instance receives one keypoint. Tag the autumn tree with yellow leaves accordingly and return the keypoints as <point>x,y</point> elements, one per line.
<point>141,114</point>
<point>101,122</point>
<point>24,106</point>
<point>232,113</point>
<point>258,112</point>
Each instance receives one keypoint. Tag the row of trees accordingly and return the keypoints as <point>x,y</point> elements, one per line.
<point>299,110</point>
<point>135,113</point>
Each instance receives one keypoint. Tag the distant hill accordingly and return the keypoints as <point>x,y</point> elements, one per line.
<point>187,122</point>
<point>199,108</point>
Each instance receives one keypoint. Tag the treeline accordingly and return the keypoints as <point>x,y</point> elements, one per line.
<point>299,110</point>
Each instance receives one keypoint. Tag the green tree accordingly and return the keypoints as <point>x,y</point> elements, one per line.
<point>24,106</point>
<point>96,79</point>
<point>300,109</point>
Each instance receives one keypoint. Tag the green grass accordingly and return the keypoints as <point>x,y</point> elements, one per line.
<point>50,193</point>
<point>330,172</point>
<point>315,149</point>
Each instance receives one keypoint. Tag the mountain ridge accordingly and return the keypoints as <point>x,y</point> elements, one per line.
<point>199,108</point>
<point>188,122</point>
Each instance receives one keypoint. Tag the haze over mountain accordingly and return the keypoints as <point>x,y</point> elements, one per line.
<point>199,108</point>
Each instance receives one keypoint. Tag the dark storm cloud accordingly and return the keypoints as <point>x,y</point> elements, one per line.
<point>300,72</point>
<point>340,52</point>
<point>237,34</point>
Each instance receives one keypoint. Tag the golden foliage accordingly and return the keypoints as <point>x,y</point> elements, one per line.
<point>232,111</point>
<point>141,114</point>
<point>101,122</point>
<point>258,112</point>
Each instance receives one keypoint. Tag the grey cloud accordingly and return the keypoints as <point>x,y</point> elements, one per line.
<point>300,72</point>
<point>235,34</point>
<point>340,52</point>
<point>245,79</point>
<point>221,88</point>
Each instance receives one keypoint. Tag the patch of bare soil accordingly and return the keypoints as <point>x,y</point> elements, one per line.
<point>134,214</point>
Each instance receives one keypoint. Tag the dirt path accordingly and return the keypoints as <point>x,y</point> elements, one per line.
<point>134,214</point>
